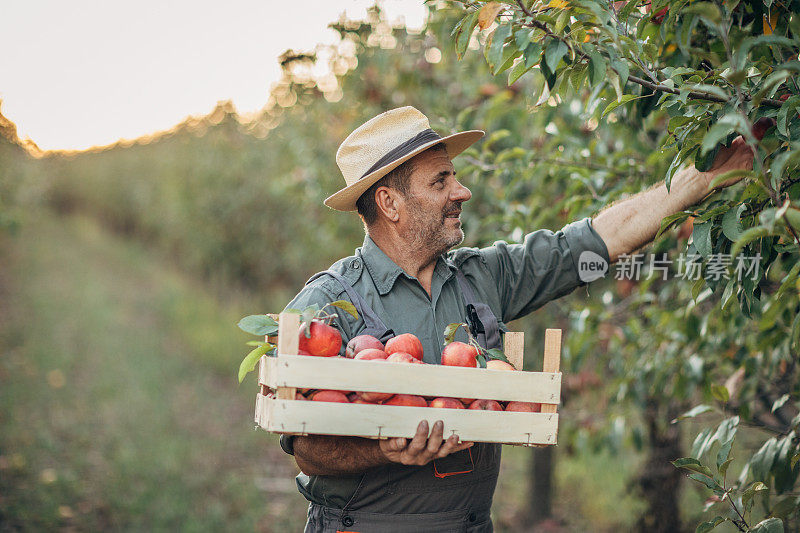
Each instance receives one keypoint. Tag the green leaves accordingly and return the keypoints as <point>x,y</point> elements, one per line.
<point>770,525</point>
<point>463,31</point>
<point>616,103</point>
<point>450,331</point>
<point>695,411</point>
<point>248,364</point>
<point>496,353</point>
<point>554,52</point>
<point>344,305</point>
<point>259,325</point>
<point>494,52</point>
<point>701,238</point>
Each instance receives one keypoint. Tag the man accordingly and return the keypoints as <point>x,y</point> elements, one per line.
<point>401,180</point>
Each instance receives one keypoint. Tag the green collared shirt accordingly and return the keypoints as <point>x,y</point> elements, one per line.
<point>513,279</point>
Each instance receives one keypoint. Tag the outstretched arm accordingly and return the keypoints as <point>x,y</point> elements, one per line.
<point>631,223</point>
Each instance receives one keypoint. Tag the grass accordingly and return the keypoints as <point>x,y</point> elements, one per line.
<point>119,407</point>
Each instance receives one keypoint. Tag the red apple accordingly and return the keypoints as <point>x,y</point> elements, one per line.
<point>401,357</point>
<point>407,343</point>
<point>524,407</point>
<point>761,126</point>
<point>486,405</point>
<point>497,364</point>
<point>298,396</point>
<point>658,18</point>
<point>325,341</point>
<point>374,397</point>
<point>371,354</point>
<point>446,403</point>
<point>460,354</point>
<point>330,396</point>
<point>362,342</point>
<point>467,401</point>
<point>302,352</point>
<point>364,402</point>
<point>407,400</point>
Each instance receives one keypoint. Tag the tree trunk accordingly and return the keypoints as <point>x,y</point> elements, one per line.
<point>541,491</point>
<point>659,481</point>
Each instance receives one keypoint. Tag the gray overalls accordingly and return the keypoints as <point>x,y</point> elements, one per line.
<point>453,494</point>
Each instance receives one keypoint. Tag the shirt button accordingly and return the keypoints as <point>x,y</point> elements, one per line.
<point>347,521</point>
<point>356,264</point>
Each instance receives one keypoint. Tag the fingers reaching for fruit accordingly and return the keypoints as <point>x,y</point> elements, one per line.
<point>737,156</point>
<point>422,448</point>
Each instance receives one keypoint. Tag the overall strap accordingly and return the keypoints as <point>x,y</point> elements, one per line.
<point>374,325</point>
<point>480,318</point>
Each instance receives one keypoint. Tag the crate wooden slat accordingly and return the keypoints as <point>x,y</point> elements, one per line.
<point>552,361</point>
<point>299,417</point>
<point>292,371</point>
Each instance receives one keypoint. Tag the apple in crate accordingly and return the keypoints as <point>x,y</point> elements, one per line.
<point>524,407</point>
<point>446,403</point>
<point>408,400</point>
<point>362,342</point>
<point>497,364</point>
<point>371,354</point>
<point>330,396</point>
<point>486,405</point>
<point>407,343</point>
<point>402,357</point>
<point>324,340</point>
<point>460,354</point>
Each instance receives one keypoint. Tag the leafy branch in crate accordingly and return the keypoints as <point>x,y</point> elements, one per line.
<point>483,354</point>
<point>267,326</point>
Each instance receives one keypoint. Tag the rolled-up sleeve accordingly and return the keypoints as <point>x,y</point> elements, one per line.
<point>544,267</point>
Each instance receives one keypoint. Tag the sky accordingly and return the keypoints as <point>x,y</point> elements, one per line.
<point>90,72</point>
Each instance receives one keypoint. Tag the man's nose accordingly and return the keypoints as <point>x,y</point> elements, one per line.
<point>460,193</point>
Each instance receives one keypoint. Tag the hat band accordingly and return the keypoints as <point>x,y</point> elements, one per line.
<point>406,148</point>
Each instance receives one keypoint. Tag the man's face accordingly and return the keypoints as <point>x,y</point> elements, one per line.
<point>430,215</point>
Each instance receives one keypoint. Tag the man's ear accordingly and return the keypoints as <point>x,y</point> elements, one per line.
<point>388,201</point>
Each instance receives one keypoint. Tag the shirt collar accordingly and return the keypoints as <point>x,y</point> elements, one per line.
<point>384,271</point>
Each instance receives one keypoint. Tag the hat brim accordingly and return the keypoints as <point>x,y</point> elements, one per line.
<point>345,199</point>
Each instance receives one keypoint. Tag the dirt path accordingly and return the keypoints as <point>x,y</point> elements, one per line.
<point>118,402</point>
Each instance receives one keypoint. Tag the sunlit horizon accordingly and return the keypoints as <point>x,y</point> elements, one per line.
<point>89,74</point>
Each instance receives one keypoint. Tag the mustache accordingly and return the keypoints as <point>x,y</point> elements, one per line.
<point>452,210</point>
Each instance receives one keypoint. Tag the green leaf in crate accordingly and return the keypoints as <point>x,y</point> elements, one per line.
<point>496,353</point>
<point>248,364</point>
<point>259,325</point>
<point>346,306</point>
<point>450,331</point>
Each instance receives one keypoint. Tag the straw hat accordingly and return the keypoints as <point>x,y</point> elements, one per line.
<point>383,143</point>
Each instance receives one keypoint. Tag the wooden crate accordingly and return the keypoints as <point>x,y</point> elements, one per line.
<point>288,371</point>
